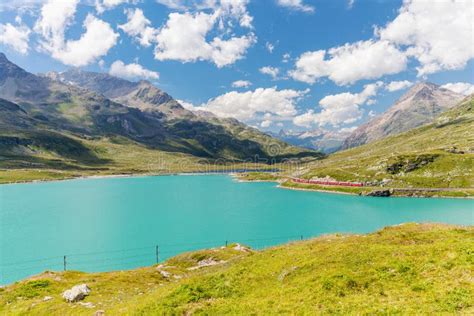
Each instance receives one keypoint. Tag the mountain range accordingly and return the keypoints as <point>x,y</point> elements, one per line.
<point>57,111</point>
<point>318,139</point>
<point>419,106</point>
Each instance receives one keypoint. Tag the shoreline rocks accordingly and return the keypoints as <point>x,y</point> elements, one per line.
<point>76,293</point>
<point>380,193</point>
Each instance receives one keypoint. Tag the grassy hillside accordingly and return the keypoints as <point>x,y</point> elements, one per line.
<point>46,155</point>
<point>438,155</point>
<point>407,269</point>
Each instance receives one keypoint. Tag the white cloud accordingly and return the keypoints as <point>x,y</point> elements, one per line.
<point>20,6</point>
<point>398,85</point>
<point>140,27</point>
<point>460,87</point>
<point>241,84</point>
<point>260,104</point>
<point>187,105</point>
<point>183,38</point>
<point>56,16</point>
<point>271,71</point>
<point>102,5</point>
<point>349,63</point>
<point>434,33</point>
<point>173,4</point>
<point>131,71</point>
<point>270,47</point>
<point>338,109</point>
<point>16,37</point>
<point>93,43</point>
<point>286,58</point>
<point>437,33</point>
<point>350,4</point>
<point>297,5</point>
<point>266,123</point>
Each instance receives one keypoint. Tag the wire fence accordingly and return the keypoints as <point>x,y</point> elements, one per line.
<point>118,259</point>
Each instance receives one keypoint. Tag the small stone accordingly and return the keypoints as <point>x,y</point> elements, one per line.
<point>47,298</point>
<point>239,247</point>
<point>76,293</point>
<point>100,312</point>
<point>165,274</point>
<point>87,305</point>
<point>380,193</point>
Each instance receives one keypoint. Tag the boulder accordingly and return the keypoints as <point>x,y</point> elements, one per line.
<point>379,193</point>
<point>76,293</point>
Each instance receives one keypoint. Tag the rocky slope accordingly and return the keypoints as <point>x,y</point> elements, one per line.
<point>420,105</point>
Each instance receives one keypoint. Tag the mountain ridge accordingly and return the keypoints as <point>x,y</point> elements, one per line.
<point>55,101</point>
<point>419,105</point>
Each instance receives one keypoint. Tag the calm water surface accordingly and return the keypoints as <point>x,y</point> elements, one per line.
<point>116,223</point>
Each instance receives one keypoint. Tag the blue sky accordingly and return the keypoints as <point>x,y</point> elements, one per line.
<point>293,64</point>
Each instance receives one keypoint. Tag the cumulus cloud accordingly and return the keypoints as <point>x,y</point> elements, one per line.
<point>460,87</point>
<point>95,42</point>
<point>131,71</point>
<point>56,16</point>
<point>173,4</point>
<point>296,5</point>
<point>414,34</point>
<point>398,85</point>
<point>103,5</point>
<point>437,33</point>
<point>139,27</point>
<point>183,38</point>
<point>241,84</point>
<point>15,36</point>
<point>271,71</point>
<point>349,63</point>
<point>338,109</point>
<point>257,105</point>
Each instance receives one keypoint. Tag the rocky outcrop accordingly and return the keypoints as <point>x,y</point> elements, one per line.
<point>379,193</point>
<point>420,105</point>
<point>76,293</point>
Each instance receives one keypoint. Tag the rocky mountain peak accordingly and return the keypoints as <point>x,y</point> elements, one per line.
<point>9,69</point>
<point>420,105</point>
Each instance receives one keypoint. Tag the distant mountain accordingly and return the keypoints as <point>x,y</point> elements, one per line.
<point>420,105</point>
<point>318,139</point>
<point>99,105</point>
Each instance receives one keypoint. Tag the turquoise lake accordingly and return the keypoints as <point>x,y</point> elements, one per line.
<point>116,223</point>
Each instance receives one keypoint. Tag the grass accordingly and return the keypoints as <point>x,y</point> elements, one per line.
<point>405,269</point>
<point>259,176</point>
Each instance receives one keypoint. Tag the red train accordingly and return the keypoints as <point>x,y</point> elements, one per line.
<point>329,182</point>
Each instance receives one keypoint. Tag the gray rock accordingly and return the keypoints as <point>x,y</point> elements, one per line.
<point>379,193</point>
<point>76,293</point>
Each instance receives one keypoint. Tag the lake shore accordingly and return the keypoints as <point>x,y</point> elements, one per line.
<point>237,176</point>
